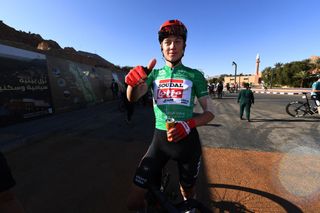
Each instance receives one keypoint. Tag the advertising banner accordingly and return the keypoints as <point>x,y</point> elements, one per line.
<point>24,86</point>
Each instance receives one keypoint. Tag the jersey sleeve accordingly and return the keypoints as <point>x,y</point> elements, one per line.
<point>200,85</point>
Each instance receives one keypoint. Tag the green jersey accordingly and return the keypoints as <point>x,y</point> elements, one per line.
<point>174,90</point>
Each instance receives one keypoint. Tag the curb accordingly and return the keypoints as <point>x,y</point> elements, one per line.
<point>279,93</point>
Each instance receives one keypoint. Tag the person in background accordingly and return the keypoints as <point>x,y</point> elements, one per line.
<point>220,89</point>
<point>9,203</point>
<point>315,92</point>
<point>245,98</point>
<point>115,89</point>
<point>129,106</point>
<point>228,87</point>
<point>211,90</point>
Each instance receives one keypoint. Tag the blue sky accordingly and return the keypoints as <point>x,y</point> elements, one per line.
<point>124,32</point>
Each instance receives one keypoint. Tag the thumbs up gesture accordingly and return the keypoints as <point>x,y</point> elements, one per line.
<point>138,74</point>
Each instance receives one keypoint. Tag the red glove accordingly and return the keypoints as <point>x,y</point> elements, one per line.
<point>136,76</point>
<point>180,130</point>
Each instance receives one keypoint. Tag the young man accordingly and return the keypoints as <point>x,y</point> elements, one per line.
<point>174,88</point>
<point>8,201</point>
<point>246,98</point>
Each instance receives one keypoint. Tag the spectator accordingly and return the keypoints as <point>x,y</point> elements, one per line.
<point>129,107</point>
<point>211,90</point>
<point>228,87</point>
<point>115,89</point>
<point>220,89</point>
<point>245,98</point>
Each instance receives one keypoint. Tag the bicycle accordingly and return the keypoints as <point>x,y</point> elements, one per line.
<point>227,198</point>
<point>240,199</point>
<point>159,202</point>
<point>299,109</point>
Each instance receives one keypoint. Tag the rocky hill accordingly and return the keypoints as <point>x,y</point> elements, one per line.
<point>34,42</point>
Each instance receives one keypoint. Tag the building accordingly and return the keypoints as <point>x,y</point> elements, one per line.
<point>241,79</point>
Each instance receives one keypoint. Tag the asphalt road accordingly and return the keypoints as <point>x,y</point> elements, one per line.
<point>83,161</point>
<point>271,129</point>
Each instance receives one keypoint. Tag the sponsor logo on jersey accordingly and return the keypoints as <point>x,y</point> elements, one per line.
<point>170,93</point>
<point>170,88</point>
<point>173,91</point>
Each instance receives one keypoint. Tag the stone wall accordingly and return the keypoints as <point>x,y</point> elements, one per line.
<point>34,84</point>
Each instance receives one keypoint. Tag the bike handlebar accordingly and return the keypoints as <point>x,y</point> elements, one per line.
<point>189,204</point>
<point>163,200</point>
<point>186,205</point>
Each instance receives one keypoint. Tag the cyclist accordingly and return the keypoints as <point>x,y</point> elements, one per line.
<point>315,93</point>
<point>174,88</point>
<point>8,200</point>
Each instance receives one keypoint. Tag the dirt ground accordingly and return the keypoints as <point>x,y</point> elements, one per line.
<point>263,181</point>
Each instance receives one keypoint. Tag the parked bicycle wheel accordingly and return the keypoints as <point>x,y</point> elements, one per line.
<point>234,198</point>
<point>297,109</point>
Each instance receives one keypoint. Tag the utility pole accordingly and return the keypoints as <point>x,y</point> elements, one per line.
<point>235,75</point>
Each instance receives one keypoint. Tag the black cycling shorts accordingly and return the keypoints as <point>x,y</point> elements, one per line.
<point>6,179</point>
<point>186,152</point>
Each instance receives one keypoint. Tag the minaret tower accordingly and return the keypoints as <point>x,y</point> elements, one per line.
<point>257,64</point>
<point>257,76</point>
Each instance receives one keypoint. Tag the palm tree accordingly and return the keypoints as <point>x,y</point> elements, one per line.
<point>318,64</point>
<point>278,65</point>
<point>301,75</point>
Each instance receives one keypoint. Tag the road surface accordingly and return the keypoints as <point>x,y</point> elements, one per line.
<point>83,161</point>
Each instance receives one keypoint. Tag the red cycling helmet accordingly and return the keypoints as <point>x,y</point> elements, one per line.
<point>172,27</point>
